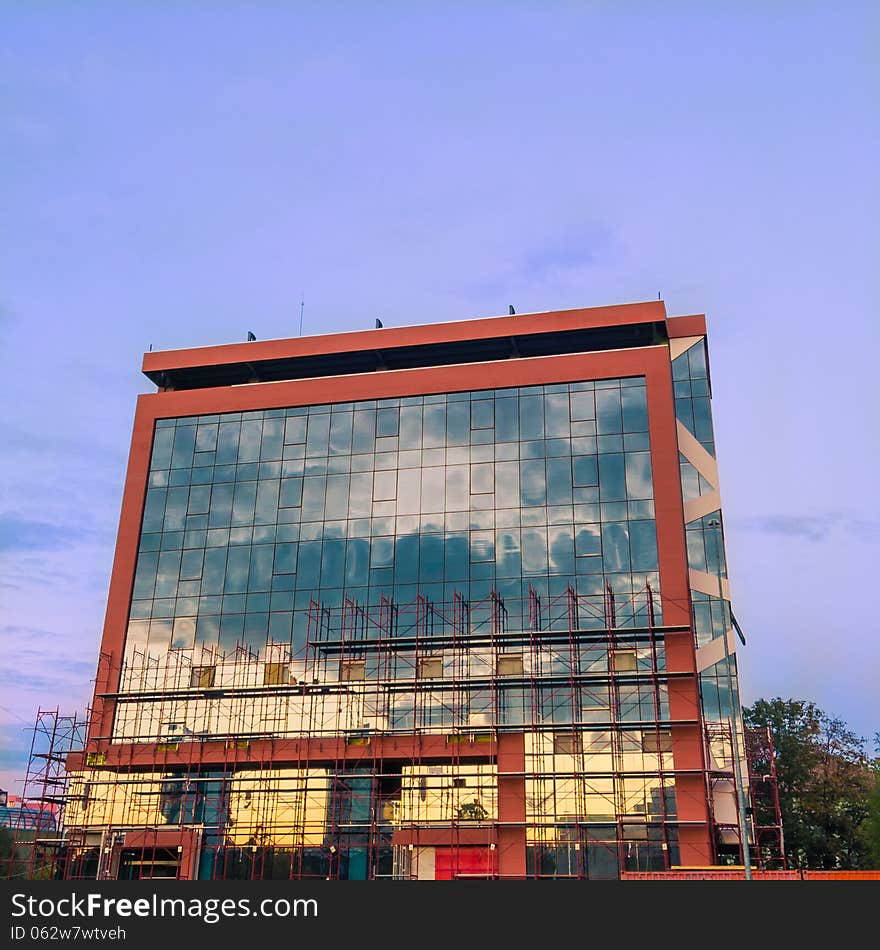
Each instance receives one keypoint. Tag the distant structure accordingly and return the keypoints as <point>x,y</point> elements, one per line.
<point>441,602</point>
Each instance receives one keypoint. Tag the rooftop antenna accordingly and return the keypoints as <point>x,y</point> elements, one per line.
<point>510,310</point>
<point>378,324</point>
<point>250,337</point>
<point>658,295</point>
<point>302,307</point>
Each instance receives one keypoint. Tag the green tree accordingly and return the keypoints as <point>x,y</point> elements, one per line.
<point>7,849</point>
<point>12,863</point>
<point>871,825</point>
<point>825,784</point>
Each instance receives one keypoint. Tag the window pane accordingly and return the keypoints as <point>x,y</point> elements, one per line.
<point>340,433</point>
<point>387,422</point>
<point>482,414</point>
<point>458,423</point>
<point>612,481</point>
<point>249,444</point>
<point>285,558</point>
<point>507,420</point>
<point>457,487</point>
<point>588,540</point>
<point>643,542</point>
<point>243,503</point>
<point>314,488</point>
<point>635,409</point>
<point>561,549</point>
<point>482,478</point>
<point>221,506</point>
<point>531,417</point>
<point>433,489</point>
<point>638,474</point>
<point>318,434</point>
<point>294,430</point>
<point>608,414</point>
<point>585,470</point>
<point>533,486</point>
<point>556,415</point>
<point>534,550</point>
<point>237,568</point>
<point>332,563</point>
<point>615,547</point>
<point>184,445</point>
<point>434,433</point>
<point>336,502</point>
<point>308,565</point>
<point>559,481</point>
<point>163,440</point>
<point>273,439</point>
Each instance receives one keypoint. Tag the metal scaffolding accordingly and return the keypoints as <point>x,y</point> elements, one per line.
<point>38,845</point>
<point>764,793</point>
<point>414,740</point>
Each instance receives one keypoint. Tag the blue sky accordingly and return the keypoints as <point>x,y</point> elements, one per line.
<point>178,174</point>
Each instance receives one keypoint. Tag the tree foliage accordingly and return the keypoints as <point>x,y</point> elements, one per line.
<point>872,824</point>
<point>829,788</point>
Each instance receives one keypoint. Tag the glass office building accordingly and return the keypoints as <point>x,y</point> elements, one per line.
<point>421,603</point>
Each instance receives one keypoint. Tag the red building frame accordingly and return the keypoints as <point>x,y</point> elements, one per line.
<point>652,362</point>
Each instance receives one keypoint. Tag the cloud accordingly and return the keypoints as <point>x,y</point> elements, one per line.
<point>816,527</point>
<point>6,316</point>
<point>565,254</point>
<point>15,745</point>
<point>32,639</point>
<point>42,678</point>
<point>22,534</point>
<point>36,443</point>
<point>15,750</point>
<point>45,660</point>
<point>558,259</point>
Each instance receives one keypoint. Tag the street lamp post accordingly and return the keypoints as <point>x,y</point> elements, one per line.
<point>737,714</point>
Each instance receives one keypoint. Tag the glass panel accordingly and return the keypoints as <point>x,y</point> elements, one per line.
<point>482,479</point>
<point>294,430</point>
<point>434,432</point>
<point>249,444</point>
<point>635,409</point>
<point>556,416</point>
<point>615,547</point>
<point>697,360</point>
<point>314,489</point>
<point>507,420</point>
<point>163,440</point>
<point>559,481</point>
<point>341,424</point>
<point>482,414</point>
<point>243,503</point>
<point>266,515</point>
<point>387,422</point>
<point>612,480</point>
<point>533,486</point>
<point>184,445</point>
<point>432,489</point>
<point>273,439</point>
<point>643,543</point>
<point>608,412</point>
<point>638,474</point>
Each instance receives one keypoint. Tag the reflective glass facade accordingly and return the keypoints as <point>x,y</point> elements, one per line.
<point>712,617</point>
<point>251,517</point>
<point>422,636</point>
